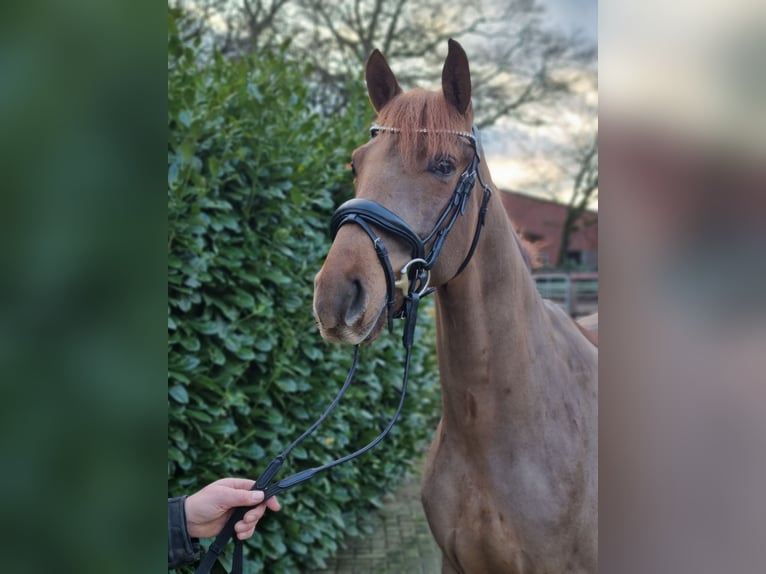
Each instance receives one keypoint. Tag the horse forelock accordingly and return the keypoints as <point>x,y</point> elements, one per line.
<point>425,125</point>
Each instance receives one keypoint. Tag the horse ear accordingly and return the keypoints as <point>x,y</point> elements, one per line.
<point>381,82</point>
<point>456,77</point>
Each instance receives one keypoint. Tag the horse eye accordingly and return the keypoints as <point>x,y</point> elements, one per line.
<point>442,166</point>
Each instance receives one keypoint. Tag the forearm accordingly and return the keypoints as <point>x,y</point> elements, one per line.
<point>182,549</point>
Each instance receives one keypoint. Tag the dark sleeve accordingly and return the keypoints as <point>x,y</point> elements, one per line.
<point>182,549</point>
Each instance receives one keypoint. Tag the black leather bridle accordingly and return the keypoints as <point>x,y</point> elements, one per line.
<point>414,286</point>
<point>416,273</point>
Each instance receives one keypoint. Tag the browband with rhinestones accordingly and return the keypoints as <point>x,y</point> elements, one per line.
<point>375,128</point>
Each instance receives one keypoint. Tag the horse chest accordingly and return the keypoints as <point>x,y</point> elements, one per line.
<point>486,522</point>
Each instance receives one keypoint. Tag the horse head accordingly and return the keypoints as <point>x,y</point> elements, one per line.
<point>412,179</point>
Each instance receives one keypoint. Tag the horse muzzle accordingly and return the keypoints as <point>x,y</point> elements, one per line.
<point>350,291</point>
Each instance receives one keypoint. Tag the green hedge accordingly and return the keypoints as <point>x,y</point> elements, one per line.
<point>253,177</point>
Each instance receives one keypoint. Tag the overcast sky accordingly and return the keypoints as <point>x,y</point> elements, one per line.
<point>520,157</point>
<point>574,15</point>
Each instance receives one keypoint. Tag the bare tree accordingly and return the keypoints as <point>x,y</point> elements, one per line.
<point>342,34</point>
<point>515,60</point>
<point>519,66</point>
<point>259,26</point>
<point>525,74</point>
<point>237,27</point>
<point>518,63</point>
<point>584,192</point>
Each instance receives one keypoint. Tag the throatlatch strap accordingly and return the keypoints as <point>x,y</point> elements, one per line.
<point>479,226</point>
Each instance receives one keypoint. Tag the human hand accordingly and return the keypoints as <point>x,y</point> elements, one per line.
<point>208,509</point>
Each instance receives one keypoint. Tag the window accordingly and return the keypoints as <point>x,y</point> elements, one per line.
<point>574,257</point>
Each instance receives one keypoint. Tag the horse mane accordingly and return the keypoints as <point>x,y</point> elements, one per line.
<point>528,251</point>
<point>424,125</point>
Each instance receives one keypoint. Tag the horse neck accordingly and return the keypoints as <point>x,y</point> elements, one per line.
<point>487,319</point>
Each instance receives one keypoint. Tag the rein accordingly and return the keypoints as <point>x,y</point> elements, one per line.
<point>263,482</point>
<point>414,286</point>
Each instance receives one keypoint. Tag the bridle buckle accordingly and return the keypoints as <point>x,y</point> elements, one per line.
<point>418,282</point>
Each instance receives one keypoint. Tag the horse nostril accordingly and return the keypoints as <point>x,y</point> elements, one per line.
<point>357,298</point>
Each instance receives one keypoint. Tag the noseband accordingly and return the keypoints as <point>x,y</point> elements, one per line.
<point>416,273</point>
<point>414,285</point>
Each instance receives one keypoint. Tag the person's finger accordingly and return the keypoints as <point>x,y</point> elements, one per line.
<point>246,534</point>
<point>243,526</point>
<point>239,483</point>
<point>231,497</point>
<point>273,504</point>
<point>254,515</point>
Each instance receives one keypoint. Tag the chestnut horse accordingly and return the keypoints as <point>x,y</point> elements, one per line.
<point>510,483</point>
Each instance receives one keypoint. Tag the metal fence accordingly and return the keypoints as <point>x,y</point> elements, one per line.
<point>575,291</point>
